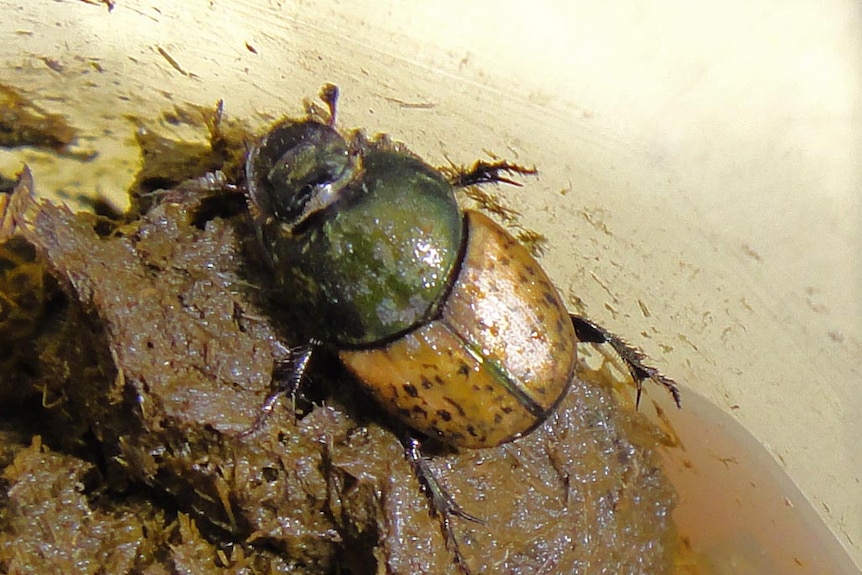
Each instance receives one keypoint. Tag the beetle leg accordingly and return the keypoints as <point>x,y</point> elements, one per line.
<point>329,95</point>
<point>443,504</point>
<point>194,190</point>
<point>589,332</point>
<point>289,376</point>
<point>486,173</point>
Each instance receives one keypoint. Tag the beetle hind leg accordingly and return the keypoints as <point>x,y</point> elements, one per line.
<point>443,504</point>
<point>589,332</point>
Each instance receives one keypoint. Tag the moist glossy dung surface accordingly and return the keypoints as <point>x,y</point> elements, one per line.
<point>161,360</point>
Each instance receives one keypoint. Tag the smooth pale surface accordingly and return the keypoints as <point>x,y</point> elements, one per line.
<point>699,164</point>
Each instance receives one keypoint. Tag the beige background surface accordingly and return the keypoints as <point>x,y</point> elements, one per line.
<point>700,165</point>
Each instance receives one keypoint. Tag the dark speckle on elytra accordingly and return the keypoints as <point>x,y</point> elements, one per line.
<point>426,383</point>
<point>505,260</point>
<point>531,271</point>
<point>506,409</point>
<point>464,370</point>
<point>411,390</point>
<point>456,405</point>
<point>549,297</point>
<point>444,415</point>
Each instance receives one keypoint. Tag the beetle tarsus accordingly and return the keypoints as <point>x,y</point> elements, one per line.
<point>329,95</point>
<point>483,172</point>
<point>289,376</point>
<point>443,505</point>
<point>589,332</point>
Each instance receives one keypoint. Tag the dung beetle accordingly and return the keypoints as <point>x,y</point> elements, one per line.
<point>440,313</point>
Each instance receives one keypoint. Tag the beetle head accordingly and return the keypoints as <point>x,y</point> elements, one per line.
<point>298,170</point>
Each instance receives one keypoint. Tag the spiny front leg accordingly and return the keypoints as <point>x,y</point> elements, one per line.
<point>483,172</point>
